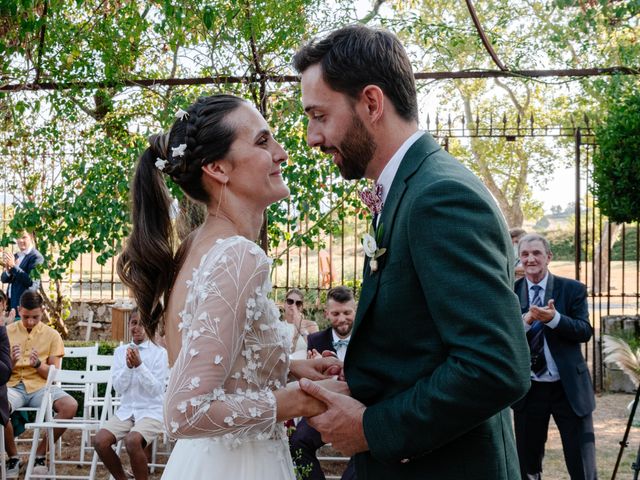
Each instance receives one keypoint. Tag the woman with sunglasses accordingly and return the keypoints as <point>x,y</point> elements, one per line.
<point>299,327</point>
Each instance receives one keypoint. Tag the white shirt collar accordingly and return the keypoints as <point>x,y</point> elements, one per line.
<point>336,337</point>
<point>25,252</point>
<point>542,283</point>
<point>144,344</point>
<point>391,168</point>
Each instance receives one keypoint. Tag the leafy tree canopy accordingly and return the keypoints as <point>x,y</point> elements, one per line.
<point>616,165</point>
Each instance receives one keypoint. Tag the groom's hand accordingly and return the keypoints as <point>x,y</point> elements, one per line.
<point>341,424</point>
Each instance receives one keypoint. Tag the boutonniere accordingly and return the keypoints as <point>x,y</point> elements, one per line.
<point>370,245</point>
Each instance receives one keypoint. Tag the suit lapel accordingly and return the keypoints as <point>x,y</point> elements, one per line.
<point>413,159</point>
<point>523,295</point>
<point>328,340</point>
<point>548,292</point>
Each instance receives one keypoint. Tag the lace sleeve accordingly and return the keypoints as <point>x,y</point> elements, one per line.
<point>213,389</point>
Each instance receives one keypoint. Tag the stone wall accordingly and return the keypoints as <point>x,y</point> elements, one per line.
<point>101,328</point>
<point>614,379</point>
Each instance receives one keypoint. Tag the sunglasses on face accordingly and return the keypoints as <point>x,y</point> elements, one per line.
<point>291,301</point>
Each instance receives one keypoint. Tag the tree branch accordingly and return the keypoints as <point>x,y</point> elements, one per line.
<point>373,13</point>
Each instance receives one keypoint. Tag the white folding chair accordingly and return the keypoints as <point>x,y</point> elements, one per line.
<point>92,399</point>
<point>78,352</point>
<point>45,417</point>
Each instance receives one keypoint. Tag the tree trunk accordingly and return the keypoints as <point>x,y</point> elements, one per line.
<point>601,257</point>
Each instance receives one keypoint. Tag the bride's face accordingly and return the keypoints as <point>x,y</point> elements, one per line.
<point>256,159</point>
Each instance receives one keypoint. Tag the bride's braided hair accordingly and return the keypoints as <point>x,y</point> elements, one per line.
<point>148,263</point>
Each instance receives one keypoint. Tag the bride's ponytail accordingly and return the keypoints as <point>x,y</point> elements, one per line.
<point>149,262</point>
<point>146,265</point>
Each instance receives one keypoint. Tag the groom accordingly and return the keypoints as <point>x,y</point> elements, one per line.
<point>438,351</point>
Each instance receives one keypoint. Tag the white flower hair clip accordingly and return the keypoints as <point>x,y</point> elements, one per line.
<point>181,114</point>
<point>161,163</point>
<point>179,150</point>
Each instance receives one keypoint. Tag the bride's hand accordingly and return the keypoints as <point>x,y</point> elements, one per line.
<point>292,402</point>
<point>310,404</point>
<point>316,368</point>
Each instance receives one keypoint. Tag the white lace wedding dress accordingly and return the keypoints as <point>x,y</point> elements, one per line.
<point>219,401</point>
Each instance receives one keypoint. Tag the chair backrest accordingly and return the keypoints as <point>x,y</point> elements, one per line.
<point>97,360</point>
<point>79,352</point>
<point>86,381</point>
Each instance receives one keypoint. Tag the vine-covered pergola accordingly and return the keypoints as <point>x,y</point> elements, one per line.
<point>83,83</point>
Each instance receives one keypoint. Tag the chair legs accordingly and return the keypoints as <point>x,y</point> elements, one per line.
<point>3,462</point>
<point>32,454</point>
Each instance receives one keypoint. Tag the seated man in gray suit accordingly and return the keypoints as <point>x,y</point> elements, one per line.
<point>556,319</point>
<point>340,310</point>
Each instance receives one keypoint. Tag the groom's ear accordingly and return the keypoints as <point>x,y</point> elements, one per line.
<point>373,98</point>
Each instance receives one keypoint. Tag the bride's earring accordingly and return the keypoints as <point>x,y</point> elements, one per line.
<point>224,188</point>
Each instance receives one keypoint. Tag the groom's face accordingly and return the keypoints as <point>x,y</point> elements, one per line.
<point>335,126</point>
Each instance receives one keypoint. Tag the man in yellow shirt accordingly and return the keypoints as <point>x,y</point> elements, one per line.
<point>34,348</point>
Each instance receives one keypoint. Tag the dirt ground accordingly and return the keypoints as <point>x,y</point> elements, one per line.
<point>610,419</point>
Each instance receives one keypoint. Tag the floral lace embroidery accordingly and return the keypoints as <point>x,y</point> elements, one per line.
<point>234,350</point>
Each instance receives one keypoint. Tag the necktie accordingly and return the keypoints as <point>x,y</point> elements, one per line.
<point>372,198</point>
<point>535,336</point>
<point>339,344</point>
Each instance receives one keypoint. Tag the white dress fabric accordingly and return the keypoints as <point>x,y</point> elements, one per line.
<point>299,349</point>
<point>219,402</point>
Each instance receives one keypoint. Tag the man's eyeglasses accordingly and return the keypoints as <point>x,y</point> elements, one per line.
<point>291,301</point>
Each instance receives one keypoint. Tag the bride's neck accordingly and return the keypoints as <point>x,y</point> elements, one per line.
<point>226,225</point>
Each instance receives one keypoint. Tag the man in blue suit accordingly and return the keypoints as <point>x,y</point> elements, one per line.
<point>340,310</point>
<point>556,319</point>
<point>18,267</point>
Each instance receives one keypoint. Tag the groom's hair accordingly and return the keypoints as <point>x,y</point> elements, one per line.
<point>355,56</point>
<point>340,294</point>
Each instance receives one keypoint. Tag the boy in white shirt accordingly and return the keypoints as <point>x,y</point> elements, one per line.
<point>139,375</point>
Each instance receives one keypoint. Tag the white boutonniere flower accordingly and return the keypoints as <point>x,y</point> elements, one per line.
<point>370,245</point>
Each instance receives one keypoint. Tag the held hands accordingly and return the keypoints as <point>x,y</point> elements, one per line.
<point>8,261</point>
<point>317,368</point>
<point>341,423</point>
<point>7,318</point>
<point>33,358</point>
<point>133,358</point>
<point>543,314</point>
<point>16,353</point>
<point>312,406</point>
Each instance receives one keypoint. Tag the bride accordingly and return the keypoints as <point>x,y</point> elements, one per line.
<point>227,396</point>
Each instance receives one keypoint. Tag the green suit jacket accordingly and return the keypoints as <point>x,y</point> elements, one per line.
<point>438,350</point>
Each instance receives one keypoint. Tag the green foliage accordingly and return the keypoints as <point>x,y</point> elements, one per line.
<point>630,337</point>
<point>562,244</point>
<point>302,472</point>
<point>616,165</point>
<point>630,243</point>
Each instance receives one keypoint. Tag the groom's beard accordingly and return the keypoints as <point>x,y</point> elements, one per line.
<point>357,149</point>
<point>344,329</point>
